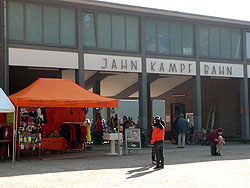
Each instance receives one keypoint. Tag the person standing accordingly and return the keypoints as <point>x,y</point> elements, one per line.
<point>99,130</point>
<point>175,131</point>
<point>158,142</point>
<point>182,127</point>
<point>213,138</point>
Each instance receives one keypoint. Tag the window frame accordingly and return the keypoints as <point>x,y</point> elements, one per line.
<point>169,45</point>
<point>95,12</point>
<point>222,27</point>
<point>25,42</point>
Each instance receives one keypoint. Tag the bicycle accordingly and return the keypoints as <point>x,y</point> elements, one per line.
<point>194,138</point>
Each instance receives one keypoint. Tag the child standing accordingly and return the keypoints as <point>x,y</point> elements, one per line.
<point>219,146</point>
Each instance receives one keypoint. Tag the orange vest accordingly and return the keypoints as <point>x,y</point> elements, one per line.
<point>158,134</point>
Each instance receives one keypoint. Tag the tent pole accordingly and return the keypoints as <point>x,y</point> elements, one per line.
<point>14,133</point>
<point>118,126</point>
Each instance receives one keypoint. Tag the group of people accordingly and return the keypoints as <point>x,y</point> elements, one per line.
<point>180,125</point>
<point>157,140</point>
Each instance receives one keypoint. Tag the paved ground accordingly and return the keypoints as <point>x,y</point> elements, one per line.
<point>190,167</point>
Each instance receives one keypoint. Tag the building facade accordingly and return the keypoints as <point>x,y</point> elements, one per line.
<point>128,52</point>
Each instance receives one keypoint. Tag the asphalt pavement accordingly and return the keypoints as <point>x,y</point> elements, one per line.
<point>188,167</point>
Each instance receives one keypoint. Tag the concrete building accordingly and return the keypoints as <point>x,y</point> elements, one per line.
<point>128,52</point>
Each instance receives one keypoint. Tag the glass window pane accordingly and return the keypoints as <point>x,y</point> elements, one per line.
<point>175,38</point>
<point>68,26</point>
<point>51,25</point>
<point>225,43</point>
<point>151,35</point>
<point>34,23</point>
<point>204,41</point>
<point>163,37</point>
<point>89,29</point>
<point>103,30</point>
<point>15,20</point>
<point>132,33</point>
<point>214,41</point>
<point>248,44</point>
<point>118,32</point>
<point>187,39</point>
<point>236,43</point>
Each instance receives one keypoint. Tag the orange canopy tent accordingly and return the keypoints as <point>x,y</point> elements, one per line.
<point>46,92</point>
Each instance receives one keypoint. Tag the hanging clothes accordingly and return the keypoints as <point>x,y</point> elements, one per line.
<point>65,132</point>
<point>88,133</point>
<point>8,133</point>
<point>83,134</point>
<point>1,132</point>
<point>10,117</point>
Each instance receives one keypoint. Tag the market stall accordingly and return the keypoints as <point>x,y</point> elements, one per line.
<point>7,125</point>
<point>50,109</point>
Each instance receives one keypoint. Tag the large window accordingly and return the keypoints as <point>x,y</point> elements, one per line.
<point>110,31</point>
<point>165,37</point>
<point>220,42</point>
<point>248,44</point>
<point>40,24</point>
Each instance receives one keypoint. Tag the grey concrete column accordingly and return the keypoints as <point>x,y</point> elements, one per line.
<point>244,103</point>
<point>80,72</point>
<point>97,90</point>
<point>150,105</point>
<point>197,83</point>
<point>5,63</point>
<point>142,77</point>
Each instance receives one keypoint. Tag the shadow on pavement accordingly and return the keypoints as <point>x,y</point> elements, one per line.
<point>137,163</point>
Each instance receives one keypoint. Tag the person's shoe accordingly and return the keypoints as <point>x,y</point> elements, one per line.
<point>162,166</point>
<point>157,167</point>
<point>182,147</point>
<point>154,162</point>
<point>178,147</point>
<point>219,154</point>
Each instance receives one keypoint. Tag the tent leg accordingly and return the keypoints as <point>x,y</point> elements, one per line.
<point>13,143</point>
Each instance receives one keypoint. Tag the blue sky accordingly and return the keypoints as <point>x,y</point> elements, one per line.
<point>238,10</point>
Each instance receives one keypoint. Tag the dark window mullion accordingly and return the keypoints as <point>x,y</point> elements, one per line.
<point>59,25</point>
<point>169,38</point>
<point>42,24</point>
<point>220,42</point>
<point>208,30</point>
<point>231,54</point>
<point>125,32</point>
<point>96,28</point>
<point>111,33</point>
<point>156,39</point>
<point>24,20</point>
<point>181,39</point>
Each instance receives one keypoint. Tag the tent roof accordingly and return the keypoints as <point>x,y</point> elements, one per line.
<point>5,105</point>
<point>46,92</point>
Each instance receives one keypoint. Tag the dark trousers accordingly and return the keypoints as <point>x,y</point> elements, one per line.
<point>158,145</point>
<point>99,138</point>
<point>213,147</point>
<point>153,153</point>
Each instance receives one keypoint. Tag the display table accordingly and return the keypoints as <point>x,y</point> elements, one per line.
<point>4,142</point>
<point>112,137</point>
<point>54,143</point>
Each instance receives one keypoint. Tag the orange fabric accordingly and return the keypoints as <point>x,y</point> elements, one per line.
<point>56,143</point>
<point>63,115</point>
<point>48,92</point>
<point>158,134</point>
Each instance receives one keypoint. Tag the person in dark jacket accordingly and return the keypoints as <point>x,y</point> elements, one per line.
<point>213,139</point>
<point>158,142</point>
<point>175,129</point>
<point>182,127</point>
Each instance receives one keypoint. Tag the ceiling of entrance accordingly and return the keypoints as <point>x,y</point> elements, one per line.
<point>125,85</point>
